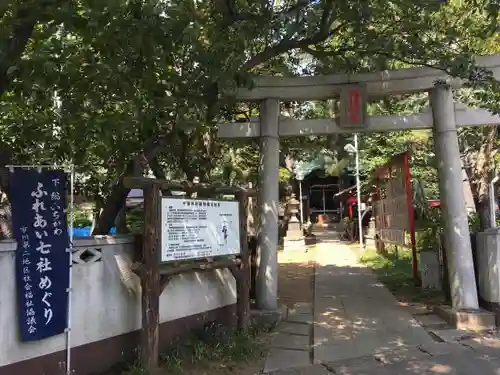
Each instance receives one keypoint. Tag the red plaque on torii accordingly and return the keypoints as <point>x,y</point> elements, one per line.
<point>353,106</point>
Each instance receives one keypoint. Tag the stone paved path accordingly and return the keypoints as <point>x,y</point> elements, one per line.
<point>292,342</point>
<point>356,327</point>
<point>355,315</point>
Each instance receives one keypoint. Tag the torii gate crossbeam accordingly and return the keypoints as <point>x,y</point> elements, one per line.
<point>379,84</point>
<point>292,128</point>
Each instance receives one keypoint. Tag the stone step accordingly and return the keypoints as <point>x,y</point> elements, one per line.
<point>290,341</point>
<point>310,370</point>
<point>286,359</point>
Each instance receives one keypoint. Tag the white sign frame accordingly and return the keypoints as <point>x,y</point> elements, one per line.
<point>216,216</point>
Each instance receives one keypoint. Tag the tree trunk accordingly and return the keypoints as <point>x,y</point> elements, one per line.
<point>482,199</point>
<point>159,174</point>
<point>483,212</point>
<point>118,196</point>
<point>96,212</point>
<point>112,207</point>
<point>25,17</point>
<point>119,193</point>
<point>121,221</point>
<point>5,159</point>
<point>479,174</point>
<point>204,155</point>
<point>185,161</point>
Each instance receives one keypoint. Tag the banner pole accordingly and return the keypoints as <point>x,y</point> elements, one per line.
<point>70,289</point>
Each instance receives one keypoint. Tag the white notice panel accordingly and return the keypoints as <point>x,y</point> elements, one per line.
<point>198,228</point>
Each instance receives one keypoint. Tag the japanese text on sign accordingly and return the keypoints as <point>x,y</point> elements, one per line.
<point>192,228</point>
<point>42,258</point>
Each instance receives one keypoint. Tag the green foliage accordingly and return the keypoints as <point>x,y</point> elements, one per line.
<point>284,175</point>
<point>238,164</point>
<point>135,220</point>
<point>378,149</point>
<point>81,218</point>
<point>105,85</point>
<point>428,239</point>
<point>474,222</point>
<point>216,347</point>
<point>429,229</point>
<point>428,33</point>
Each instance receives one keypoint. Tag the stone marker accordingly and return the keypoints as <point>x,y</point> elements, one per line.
<point>294,240</point>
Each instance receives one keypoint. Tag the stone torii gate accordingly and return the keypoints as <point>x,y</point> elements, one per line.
<point>443,117</point>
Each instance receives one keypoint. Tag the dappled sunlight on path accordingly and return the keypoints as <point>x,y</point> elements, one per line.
<point>342,320</point>
<point>296,277</point>
<point>355,315</point>
<point>335,253</point>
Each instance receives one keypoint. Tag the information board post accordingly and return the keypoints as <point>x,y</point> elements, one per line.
<point>150,280</point>
<point>242,275</point>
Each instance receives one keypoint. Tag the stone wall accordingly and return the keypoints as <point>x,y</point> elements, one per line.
<point>106,312</point>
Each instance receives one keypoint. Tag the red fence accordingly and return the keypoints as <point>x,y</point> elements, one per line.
<point>393,205</point>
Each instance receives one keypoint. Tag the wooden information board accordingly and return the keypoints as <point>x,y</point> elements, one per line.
<point>198,228</point>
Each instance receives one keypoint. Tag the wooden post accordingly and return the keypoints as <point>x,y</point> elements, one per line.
<point>150,280</point>
<point>243,281</point>
<point>154,277</point>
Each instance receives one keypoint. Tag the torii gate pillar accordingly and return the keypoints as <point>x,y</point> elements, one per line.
<point>267,276</point>
<point>456,226</point>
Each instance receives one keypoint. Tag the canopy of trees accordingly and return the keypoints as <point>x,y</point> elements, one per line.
<point>123,87</point>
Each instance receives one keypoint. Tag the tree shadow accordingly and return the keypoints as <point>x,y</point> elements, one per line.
<point>295,278</point>
<point>396,273</point>
<point>462,362</point>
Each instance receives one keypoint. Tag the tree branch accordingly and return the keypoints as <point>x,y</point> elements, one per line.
<point>282,47</point>
<point>5,159</point>
<point>326,18</point>
<point>155,166</point>
<point>185,162</point>
<point>119,193</point>
<point>365,52</point>
<point>226,8</point>
<point>287,45</point>
<point>14,46</point>
<point>301,4</point>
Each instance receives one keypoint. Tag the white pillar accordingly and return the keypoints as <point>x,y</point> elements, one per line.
<point>455,221</point>
<point>358,192</point>
<point>267,276</point>
<point>302,208</point>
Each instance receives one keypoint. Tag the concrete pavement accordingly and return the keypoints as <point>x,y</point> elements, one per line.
<point>355,326</point>
<point>354,314</point>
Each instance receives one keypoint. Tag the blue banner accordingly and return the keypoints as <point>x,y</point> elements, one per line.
<point>38,201</point>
